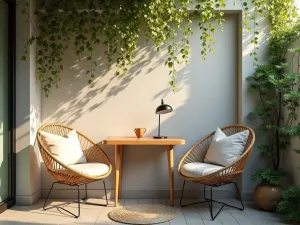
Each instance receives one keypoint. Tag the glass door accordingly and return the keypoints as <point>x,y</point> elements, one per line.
<point>4,151</point>
<point>7,25</point>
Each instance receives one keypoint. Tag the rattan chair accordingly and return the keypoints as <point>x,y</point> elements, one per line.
<point>62,173</point>
<point>221,177</point>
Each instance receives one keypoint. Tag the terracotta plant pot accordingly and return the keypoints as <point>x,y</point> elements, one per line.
<point>267,195</point>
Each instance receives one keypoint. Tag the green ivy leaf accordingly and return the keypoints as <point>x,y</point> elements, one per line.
<point>119,29</point>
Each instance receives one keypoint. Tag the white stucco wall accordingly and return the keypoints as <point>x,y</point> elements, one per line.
<point>28,117</point>
<point>211,93</point>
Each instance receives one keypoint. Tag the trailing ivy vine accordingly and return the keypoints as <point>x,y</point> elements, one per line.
<point>285,29</point>
<point>117,25</point>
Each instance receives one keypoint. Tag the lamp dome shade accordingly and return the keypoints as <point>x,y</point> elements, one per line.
<point>163,108</point>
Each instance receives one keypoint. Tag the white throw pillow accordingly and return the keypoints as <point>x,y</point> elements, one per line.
<point>224,150</point>
<point>66,149</point>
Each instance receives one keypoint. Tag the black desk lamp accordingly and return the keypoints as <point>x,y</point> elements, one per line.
<point>162,109</point>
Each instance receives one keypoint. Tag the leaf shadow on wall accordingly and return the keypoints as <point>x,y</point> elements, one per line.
<point>106,84</point>
<point>209,99</point>
<point>206,99</point>
<point>213,96</point>
<point>211,87</point>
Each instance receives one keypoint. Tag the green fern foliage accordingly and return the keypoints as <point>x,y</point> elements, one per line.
<point>290,203</point>
<point>268,175</point>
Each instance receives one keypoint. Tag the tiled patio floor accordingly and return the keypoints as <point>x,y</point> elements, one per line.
<point>192,215</point>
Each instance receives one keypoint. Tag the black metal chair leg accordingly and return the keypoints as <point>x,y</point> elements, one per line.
<point>183,205</point>
<point>210,200</point>
<point>85,193</point>
<point>210,203</point>
<point>239,196</point>
<point>90,203</point>
<point>232,206</point>
<point>78,199</point>
<point>60,208</point>
<point>78,202</point>
<point>78,189</point>
<point>48,195</point>
<point>105,192</point>
<point>182,193</point>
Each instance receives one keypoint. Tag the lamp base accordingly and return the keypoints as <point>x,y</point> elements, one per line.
<point>160,137</point>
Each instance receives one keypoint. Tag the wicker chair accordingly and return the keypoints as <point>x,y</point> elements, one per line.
<point>62,173</point>
<point>221,177</point>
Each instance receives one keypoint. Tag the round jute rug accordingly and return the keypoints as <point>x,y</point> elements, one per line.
<point>143,214</point>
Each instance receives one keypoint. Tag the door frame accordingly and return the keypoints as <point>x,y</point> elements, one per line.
<point>11,107</point>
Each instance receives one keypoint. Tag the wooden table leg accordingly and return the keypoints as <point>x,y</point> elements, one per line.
<point>171,172</point>
<point>120,168</point>
<point>117,177</point>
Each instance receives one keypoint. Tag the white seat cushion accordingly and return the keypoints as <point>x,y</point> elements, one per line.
<point>197,169</point>
<point>66,149</point>
<point>225,150</point>
<point>91,169</point>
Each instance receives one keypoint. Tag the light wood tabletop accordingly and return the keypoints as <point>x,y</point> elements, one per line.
<point>142,141</point>
<point>120,142</point>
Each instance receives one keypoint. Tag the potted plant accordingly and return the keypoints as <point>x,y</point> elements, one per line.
<point>279,93</point>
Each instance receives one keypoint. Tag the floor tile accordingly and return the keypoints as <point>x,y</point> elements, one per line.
<point>93,214</point>
<point>179,219</point>
<point>130,201</point>
<point>241,217</point>
<point>103,218</point>
<point>226,218</point>
<point>145,201</point>
<point>192,215</point>
<point>206,217</point>
<point>160,201</point>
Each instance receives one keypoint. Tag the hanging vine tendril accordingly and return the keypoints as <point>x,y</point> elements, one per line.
<point>115,24</point>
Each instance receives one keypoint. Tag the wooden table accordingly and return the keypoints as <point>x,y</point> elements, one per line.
<point>119,143</point>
